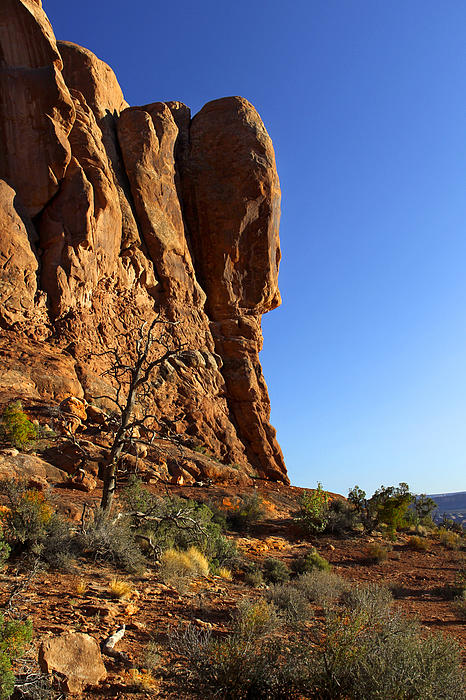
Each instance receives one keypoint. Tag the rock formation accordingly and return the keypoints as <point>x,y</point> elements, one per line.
<point>111,213</point>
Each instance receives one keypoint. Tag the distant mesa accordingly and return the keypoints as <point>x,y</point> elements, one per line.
<point>453,505</point>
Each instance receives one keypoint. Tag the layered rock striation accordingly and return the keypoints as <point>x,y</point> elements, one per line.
<point>111,213</point>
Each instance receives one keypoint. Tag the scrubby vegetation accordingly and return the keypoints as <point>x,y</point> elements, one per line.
<point>301,630</point>
<point>14,635</point>
<point>31,525</point>
<point>363,650</point>
<point>16,428</point>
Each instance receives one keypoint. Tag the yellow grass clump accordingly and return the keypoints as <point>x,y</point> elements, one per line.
<point>142,680</point>
<point>120,589</point>
<point>177,567</point>
<point>225,573</point>
<point>199,561</point>
<point>81,587</point>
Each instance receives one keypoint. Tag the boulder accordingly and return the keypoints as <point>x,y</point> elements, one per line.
<point>36,471</point>
<point>76,657</point>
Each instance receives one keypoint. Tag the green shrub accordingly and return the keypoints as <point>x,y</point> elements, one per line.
<point>311,561</point>
<point>32,525</point>
<point>421,509</point>
<point>388,506</point>
<point>275,571</point>
<point>14,635</point>
<point>247,512</point>
<point>15,426</point>
<point>312,516</point>
<point>321,587</point>
<point>290,601</point>
<point>177,522</point>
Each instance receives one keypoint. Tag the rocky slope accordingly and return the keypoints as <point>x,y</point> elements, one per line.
<point>111,213</point>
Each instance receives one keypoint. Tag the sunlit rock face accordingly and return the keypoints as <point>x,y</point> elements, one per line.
<point>110,213</point>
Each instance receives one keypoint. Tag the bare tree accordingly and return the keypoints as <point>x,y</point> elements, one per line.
<point>132,371</point>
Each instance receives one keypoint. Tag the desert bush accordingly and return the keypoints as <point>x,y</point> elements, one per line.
<point>256,618</point>
<point>364,650</point>
<point>81,587</point>
<point>225,573</point>
<point>321,587</point>
<point>113,541</point>
<point>449,539</point>
<point>31,525</point>
<point>254,577</point>
<point>366,653</point>
<point>15,426</point>
<point>152,656</point>
<point>341,517</point>
<point>142,681</point>
<point>290,601</point>
<point>238,666</point>
<point>370,599</point>
<point>5,549</point>
<point>418,544</point>
<point>14,635</point>
<point>275,571</point>
<point>459,605</point>
<point>376,553</point>
<point>247,512</point>
<point>311,561</point>
<point>177,523</point>
<point>312,515</point>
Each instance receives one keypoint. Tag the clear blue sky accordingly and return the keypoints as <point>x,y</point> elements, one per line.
<point>365,102</point>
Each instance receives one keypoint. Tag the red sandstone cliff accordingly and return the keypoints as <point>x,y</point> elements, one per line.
<point>109,212</point>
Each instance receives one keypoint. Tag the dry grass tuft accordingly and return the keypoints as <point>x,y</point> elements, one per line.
<point>81,587</point>
<point>142,680</point>
<point>178,567</point>
<point>199,561</point>
<point>120,589</point>
<point>376,553</point>
<point>419,544</point>
<point>451,540</point>
<point>225,573</point>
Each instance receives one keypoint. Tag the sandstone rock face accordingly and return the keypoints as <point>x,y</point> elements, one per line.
<point>18,263</point>
<point>131,212</point>
<point>76,657</point>
<point>36,110</point>
<point>232,207</point>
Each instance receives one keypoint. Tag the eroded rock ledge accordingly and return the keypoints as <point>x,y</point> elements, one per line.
<point>109,212</point>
